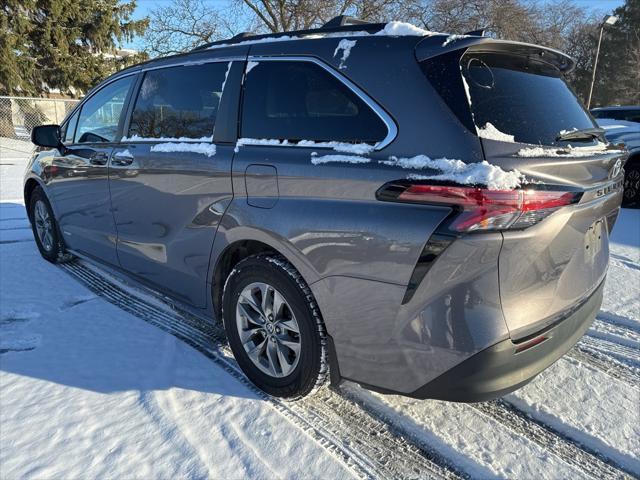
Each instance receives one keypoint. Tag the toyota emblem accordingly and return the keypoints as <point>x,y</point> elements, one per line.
<point>615,171</point>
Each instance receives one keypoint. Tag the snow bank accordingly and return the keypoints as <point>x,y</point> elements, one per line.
<point>338,159</point>
<point>346,46</point>
<point>208,149</point>
<point>457,171</point>
<point>492,133</point>
<point>569,151</point>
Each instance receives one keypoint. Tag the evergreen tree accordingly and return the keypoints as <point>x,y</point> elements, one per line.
<point>62,44</point>
<point>618,75</point>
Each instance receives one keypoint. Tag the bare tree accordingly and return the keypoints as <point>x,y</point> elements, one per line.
<point>286,15</point>
<point>185,24</point>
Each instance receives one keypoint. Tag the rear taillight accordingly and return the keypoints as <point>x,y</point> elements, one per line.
<point>483,209</point>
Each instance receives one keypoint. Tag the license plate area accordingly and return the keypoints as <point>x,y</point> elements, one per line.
<point>593,241</point>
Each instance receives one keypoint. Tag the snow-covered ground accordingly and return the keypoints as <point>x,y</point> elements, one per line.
<point>98,379</point>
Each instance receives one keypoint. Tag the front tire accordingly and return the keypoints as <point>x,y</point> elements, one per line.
<point>274,327</point>
<point>45,228</point>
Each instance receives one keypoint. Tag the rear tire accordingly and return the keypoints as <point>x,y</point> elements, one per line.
<point>274,327</point>
<point>45,228</point>
<point>631,194</point>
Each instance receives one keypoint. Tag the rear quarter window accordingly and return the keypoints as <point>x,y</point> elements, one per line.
<point>294,100</point>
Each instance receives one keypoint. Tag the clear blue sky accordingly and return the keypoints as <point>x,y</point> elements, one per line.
<point>145,6</point>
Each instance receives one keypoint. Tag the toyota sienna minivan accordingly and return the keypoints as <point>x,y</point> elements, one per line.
<point>422,214</point>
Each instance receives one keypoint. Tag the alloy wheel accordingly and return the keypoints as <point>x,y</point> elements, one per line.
<point>44,225</point>
<point>268,329</point>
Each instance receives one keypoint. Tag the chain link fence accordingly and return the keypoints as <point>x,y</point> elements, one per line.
<point>18,116</point>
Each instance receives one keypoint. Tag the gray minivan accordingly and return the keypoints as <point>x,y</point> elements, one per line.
<point>423,214</point>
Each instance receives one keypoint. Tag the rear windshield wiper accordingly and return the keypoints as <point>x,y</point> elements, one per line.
<point>584,134</point>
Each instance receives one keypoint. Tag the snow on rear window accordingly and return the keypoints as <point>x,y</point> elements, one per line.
<point>492,133</point>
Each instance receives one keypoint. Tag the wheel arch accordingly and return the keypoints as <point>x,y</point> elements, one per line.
<point>29,186</point>
<point>634,158</point>
<point>227,260</point>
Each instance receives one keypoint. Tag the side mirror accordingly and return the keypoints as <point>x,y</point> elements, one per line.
<point>46,136</point>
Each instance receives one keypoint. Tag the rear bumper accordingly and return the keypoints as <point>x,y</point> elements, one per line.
<point>500,369</point>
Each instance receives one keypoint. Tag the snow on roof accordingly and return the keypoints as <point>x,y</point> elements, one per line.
<point>453,38</point>
<point>391,29</point>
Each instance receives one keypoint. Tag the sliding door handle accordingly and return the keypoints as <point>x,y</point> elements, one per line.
<point>122,160</point>
<point>98,158</point>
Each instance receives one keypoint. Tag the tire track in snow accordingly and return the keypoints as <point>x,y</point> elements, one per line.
<point>369,446</point>
<point>615,333</point>
<point>622,353</point>
<point>605,364</point>
<point>570,451</point>
<point>619,321</point>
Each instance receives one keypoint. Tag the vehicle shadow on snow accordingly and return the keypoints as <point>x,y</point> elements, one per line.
<point>112,353</point>
<point>85,342</point>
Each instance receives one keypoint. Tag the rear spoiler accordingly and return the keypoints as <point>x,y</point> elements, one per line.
<point>436,45</point>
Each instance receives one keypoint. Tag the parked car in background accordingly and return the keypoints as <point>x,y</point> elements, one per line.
<point>622,125</point>
<point>628,113</point>
<point>371,202</point>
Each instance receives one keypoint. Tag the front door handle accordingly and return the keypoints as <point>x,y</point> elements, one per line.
<point>98,158</point>
<point>122,160</point>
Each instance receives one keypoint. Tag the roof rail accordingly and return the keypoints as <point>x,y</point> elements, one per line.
<point>342,23</point>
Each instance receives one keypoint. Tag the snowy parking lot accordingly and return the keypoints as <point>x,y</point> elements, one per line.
<point>101,379</point>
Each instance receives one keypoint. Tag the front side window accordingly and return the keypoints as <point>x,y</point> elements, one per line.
<point>100,114</point>
<point>293,100</point>
<point>178,102</point>
<point>69,129</point>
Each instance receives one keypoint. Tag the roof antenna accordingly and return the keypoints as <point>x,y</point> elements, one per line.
<point>476,33</point>
<point>341,21</point>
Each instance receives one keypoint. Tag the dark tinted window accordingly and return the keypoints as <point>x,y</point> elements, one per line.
<point>179,101</point>
<point>629,115</point>
<point>302,101</point>
<point>522,98</point>
<point>101,113</point>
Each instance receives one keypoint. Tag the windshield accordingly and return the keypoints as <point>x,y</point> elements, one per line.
<point>523,98</point>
